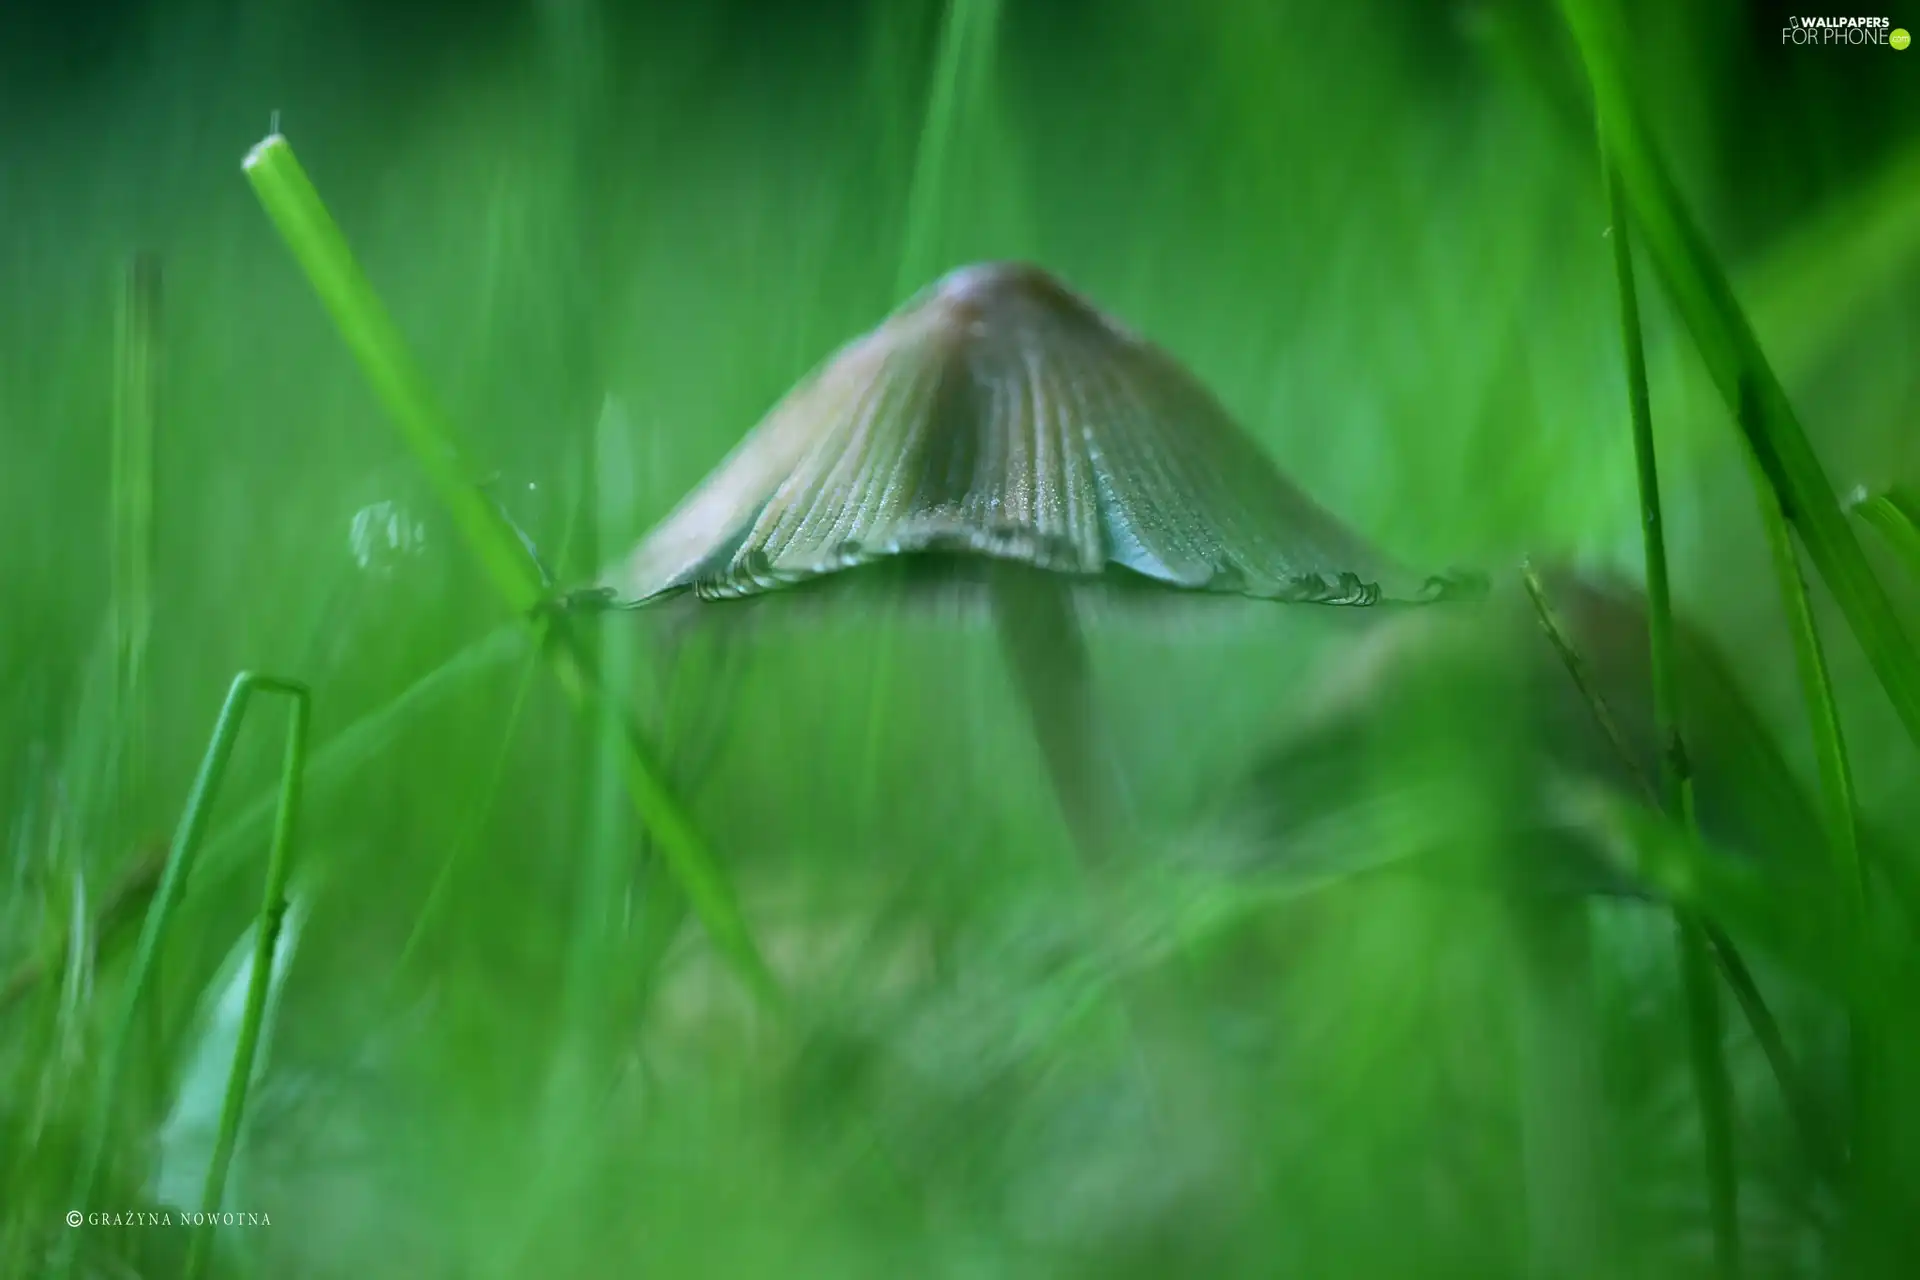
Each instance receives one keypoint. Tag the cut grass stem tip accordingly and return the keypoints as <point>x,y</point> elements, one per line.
<point>318,245</point>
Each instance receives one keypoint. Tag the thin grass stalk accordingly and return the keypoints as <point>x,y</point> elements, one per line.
<point>1895,516</point>
<point>960,74</point>
<point>1577,671</point>
<point>1712,1085</point>
<point>1838,806</point>
<point>607,858</point>
<point>443,879</point>
<point>1698,947</point>
<point>1816,276</point>
<point>579,60</point>
<point>330,764</point>
<point>318,246</point>
<point>1800,927</point>
<point>1733,967</point>
<point>893,79</point>
<point>295,208</point>
<point>961,64</point>
<point>1733,356</point>
<point>273,911</point>
<point>1705,1029</point>
<point>153,936</point>
<point>336,760</point>
<point>622,848</point>
<point>1795,492</point>
<point>620,866</point>
<point>580,1063</point>
<point>1562,1092</point>
<point>136,414</point>
<point>1816,688</point>
<point>1802,1107</point>
<point>1805,927</point>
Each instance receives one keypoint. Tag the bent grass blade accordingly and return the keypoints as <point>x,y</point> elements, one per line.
<point>318,245</point>
<point>153,937</point>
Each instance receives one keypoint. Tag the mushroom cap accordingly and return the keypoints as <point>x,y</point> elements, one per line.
<point>999,418</point>
<point>1488,681</point>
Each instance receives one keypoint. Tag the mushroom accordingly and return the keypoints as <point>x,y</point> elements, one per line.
<point>1410,685</point>
<point>1000,441</point>
<point>1419,687</point>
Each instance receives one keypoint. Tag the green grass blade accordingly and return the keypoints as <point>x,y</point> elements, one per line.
<point>1895,516</point>
<point>1732,355</point>
<point>173,880</point>
<point>1702,998</point>
<point>1815,281</point>
<point>443,880</point>
<point>1808,287</point>
<point>962,67</point>
<point>1796,920</point>
<point>321,250</point>
<point>273,909</point>
<point>1676,782</point>
<point>1801,1103</point>
<point>337,759</point>
<point>612,846</point>
<point>1733,967</point>
<point>960,73</point>
<point>332,764</point>
<point>1838,808</point>
<point>1712,1084</point>
<point>316,242</point>
<point>1816,687</point>
<point>136,413</point>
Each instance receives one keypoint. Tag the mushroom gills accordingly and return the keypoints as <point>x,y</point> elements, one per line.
<point>1001,416</point>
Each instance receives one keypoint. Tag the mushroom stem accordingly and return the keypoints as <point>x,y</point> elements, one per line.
<point>1046,654</point>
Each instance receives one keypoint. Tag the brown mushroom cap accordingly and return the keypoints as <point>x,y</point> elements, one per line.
<point>999,418</point>
<point>1490,677</point>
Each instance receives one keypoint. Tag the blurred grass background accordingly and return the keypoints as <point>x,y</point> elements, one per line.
<point>614,234</point>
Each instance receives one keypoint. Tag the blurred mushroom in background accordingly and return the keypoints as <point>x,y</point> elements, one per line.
<point>1464,734</point>
<point>999,445</point>
<point>1488,688</point>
